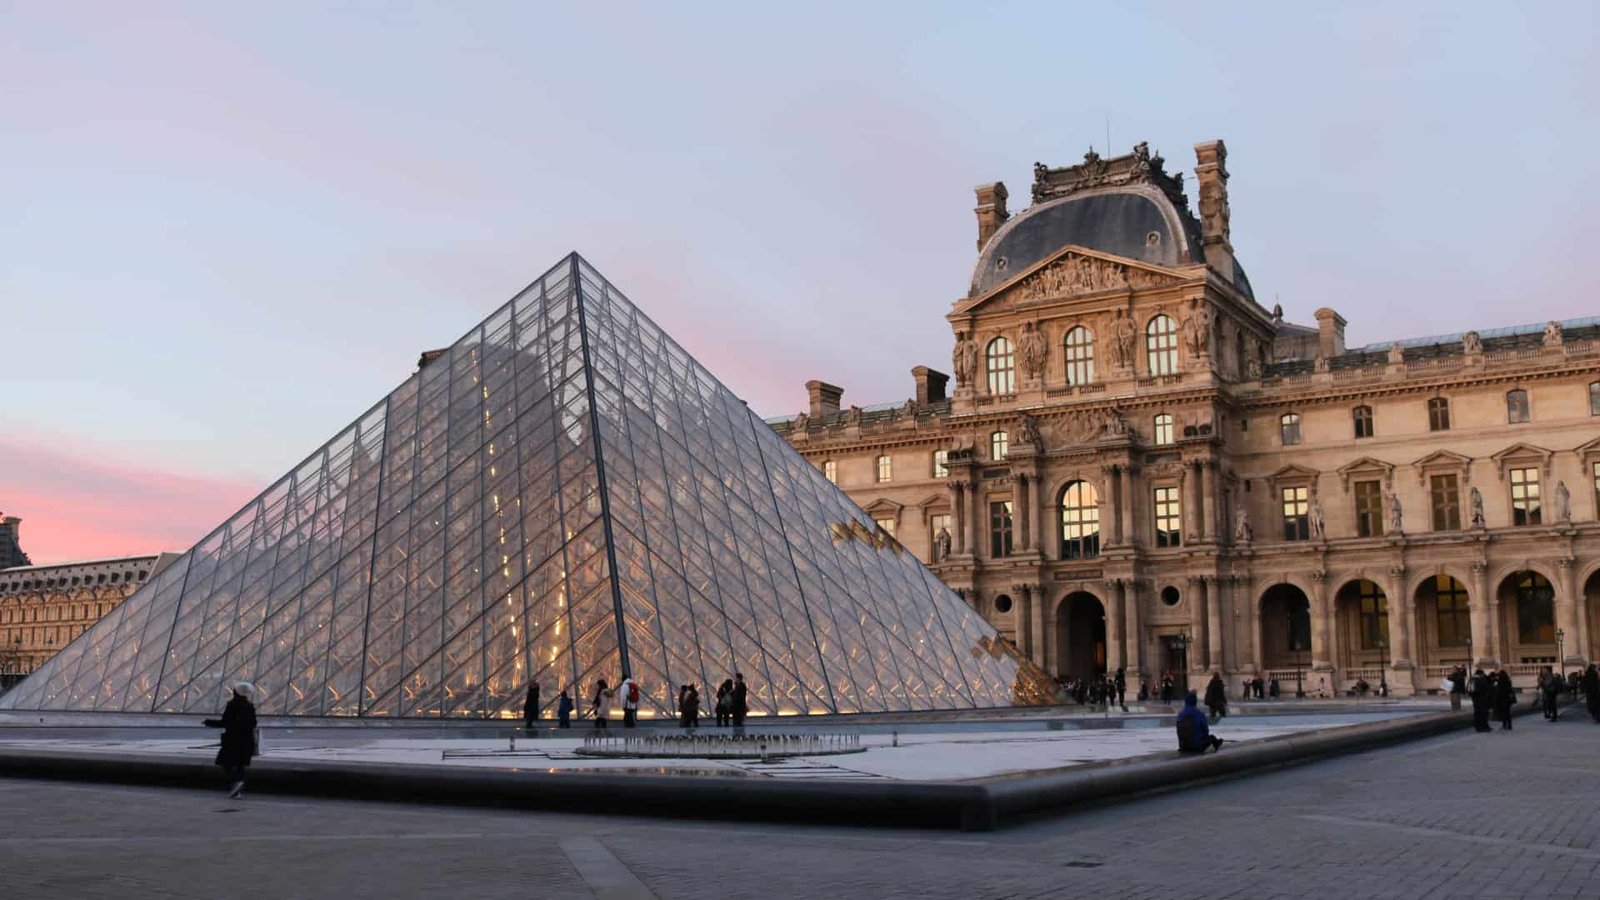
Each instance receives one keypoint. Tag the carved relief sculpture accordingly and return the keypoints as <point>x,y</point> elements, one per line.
<point>1197,329</point>
<point>964,359</point>
<point>1124,333</point>
<point>1397,354</point>
<point>802,422</point>
<point>1475,502</point>
<point>1030,432</point>
<point>852,416</point>
<point>1030,350</point>
<point>1552,334</point>
<point>1471,343</point>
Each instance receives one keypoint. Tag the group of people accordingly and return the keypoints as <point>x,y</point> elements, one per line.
<point>1104,689</point>
<point>732,703</point>
<point>1494,693</point>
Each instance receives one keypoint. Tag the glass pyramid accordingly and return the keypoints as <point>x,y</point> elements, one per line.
<point>563,494</point>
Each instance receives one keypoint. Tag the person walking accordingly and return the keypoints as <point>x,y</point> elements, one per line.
<point>602,704</point>
<point>1591,690</point>
<point>1194,732</point>
<point>530,707</point>
<point>564,706</point>
<point>740,704</point>
<point>1550,687</point>
<point>1458,687</point>
<point>725,703</point>
<point>1482,694</point>
<point>1166,688</point>
<point>1505,696</point>
<point>1216,697</point>
<point>238,745</point>
<point>630,700</point>
<point>1121,685</point>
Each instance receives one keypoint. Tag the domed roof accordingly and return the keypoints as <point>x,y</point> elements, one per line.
<point>1136,221</point>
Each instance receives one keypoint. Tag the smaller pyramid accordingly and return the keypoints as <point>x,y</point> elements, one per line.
<point>563,495</point>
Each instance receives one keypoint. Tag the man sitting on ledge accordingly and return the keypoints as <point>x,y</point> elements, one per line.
<point>1194,732</point>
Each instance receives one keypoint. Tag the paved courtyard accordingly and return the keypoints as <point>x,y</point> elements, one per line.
<point>1465,815</point>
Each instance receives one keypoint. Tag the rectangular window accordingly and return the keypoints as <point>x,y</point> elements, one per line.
<point>1594,472</point>
<point>1289,429</point>
<point>1517,408</point>
<point>1362,417</point>
<point>1454,615</point>
<point>1163,429</point>
<point>1000,529</point>
<point>1446,496</point>
<point>830,470</point>
<point>1168,517</point>
<point>1594,398</point>
<point>1439,414</point>
<point>1296,513</point>
<point>1374,617</point>
<point>941,463</point>
<point>937,524</point>
<point>885,468</point>
<point>887,524</point>
<point>1525,497</point>
<point>1369,509</point>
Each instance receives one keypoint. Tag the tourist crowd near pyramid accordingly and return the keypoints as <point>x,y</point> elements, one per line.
<point>562,496</point>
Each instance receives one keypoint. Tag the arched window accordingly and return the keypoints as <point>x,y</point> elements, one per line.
<point>1080,521</point>
<point>1001,365</point>
<point>999,443</point>
<point>1161,346</point>
<point>1362,417</point>
<point>1079,353</point>
<point>1161,429</point>
<point>1517,408</point>
<point>1289,428</point>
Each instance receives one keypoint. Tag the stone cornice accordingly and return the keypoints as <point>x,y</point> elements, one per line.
<point>1315,390</point>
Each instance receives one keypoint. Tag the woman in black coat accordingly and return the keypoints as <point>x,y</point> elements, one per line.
<point>238,724</point>
<point>1591,690</point>
<point>1504,697</point>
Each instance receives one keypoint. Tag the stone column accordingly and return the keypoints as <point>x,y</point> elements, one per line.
<point>1186,508</point>
<point>1404,652</point>
<point>1322,632</point>
<point>1215,599</point>
<point>1482,608</point>
<point>1036,516</point>
<point>1041,637</point>
<point>1208,496</point>
<point>1024,505</point>
<point>1019,602</point>
<point>977,517</point>
<point>1567,605</point>
<point>1134,635</point>
<point>958,514</point>
<point>1126,504</point>
<point>1113,609</point>
<point>1111,510</point>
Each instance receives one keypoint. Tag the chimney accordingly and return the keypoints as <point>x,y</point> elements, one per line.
<point>930,385</point>
<point>824,398</point>
<point>1211,173</point>
<point>1330,333</point>
<point>991,210</point>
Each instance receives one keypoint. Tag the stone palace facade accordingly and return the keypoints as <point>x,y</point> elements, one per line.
<point>1140,466</point>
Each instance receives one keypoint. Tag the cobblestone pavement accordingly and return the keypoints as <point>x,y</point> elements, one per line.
<point>1465,815</point>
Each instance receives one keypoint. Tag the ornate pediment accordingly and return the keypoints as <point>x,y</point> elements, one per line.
<point>1443,461</point>
<point>1072,272</point>
<point>1292,475</point>
<point>1526,454</point>
<point>1368,467</point>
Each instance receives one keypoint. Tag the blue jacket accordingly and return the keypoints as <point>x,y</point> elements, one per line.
<point>1193,728</point>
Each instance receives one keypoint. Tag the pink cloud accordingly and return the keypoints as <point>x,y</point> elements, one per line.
<point>75,506</point>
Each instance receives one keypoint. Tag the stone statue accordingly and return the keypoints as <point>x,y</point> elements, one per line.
<point>1030,432</point>
<point>1471,343</point>
<point>1392,507</point>
<point>1252,368</point>
<point>1475,504</point>
<point>1124,332</point>
<point>1563,500</point>
<point>941,544</point>
<point>1197,329</point>
<point>1030,351</point>
<point>1115,424</point>
<point>1318,522</point>
<point>852,416</point>
<point>965,359</point>
<point>1397,354</point>
<point>1552,334</point>
<point>802,422</point>
<point>1242,533</point>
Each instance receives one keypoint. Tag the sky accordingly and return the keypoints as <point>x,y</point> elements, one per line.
<point>225,232</point>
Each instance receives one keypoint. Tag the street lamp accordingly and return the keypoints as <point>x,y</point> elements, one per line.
<point>1181,644</point>
<point>1561,666</point>
<point>1383,665</point>
<point>1299,679</point>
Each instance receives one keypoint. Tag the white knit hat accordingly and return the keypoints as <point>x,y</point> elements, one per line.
<point>245,689</point>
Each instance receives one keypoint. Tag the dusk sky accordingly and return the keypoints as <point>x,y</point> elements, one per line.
<point>229,231</point>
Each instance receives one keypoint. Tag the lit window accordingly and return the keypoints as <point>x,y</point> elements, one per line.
<point>1439,414</point>
<point>941,463</point>
<point>1168,514</point>
<point>1079,352</point>
<point>1000,529</point>
<point>1525,497</point>
<point>1362,417</point>
<point>1445,493</point>
<point>1594,472</point>
<point>1296,513</point>
<point>1369,509</point>
<point>887,524</point>
<point>999,442</point>
<point>1161,346</point>
<point>1289,428</point>
<point>1161,432</point>
<point>1001,366</point>
<point>885,468</point>
<point>1080,521</point>
<point>1516,406</point>
<point>830,470</point>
